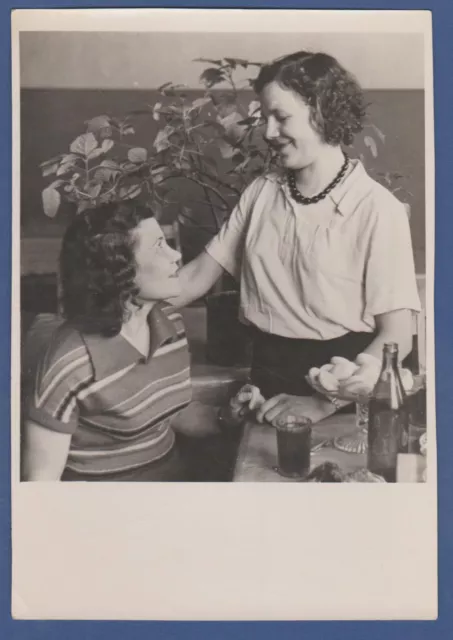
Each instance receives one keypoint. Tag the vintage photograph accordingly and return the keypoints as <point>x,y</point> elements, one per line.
<point>223,257</point>
<point>222,282</point>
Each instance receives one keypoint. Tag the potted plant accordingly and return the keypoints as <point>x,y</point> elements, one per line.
<point>210,143</point>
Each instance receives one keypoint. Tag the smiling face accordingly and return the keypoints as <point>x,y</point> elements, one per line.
<point>288,127</point>
<point>156,263</point>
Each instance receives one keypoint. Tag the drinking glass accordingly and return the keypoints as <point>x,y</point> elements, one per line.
<point>293,447</point>
<point>358,441</point>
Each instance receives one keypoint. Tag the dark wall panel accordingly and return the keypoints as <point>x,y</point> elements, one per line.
<point>51,118</point>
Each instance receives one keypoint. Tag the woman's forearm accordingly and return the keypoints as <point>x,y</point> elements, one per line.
<point>394,326</point>
<point>197,278</point>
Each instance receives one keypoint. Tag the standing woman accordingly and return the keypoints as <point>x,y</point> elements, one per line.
<point>322,251</point>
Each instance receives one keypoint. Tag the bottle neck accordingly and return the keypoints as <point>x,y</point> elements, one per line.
<point>390,359</point>
<point>389,385</point>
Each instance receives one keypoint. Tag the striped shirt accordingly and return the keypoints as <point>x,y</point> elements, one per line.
<point>116,403</point>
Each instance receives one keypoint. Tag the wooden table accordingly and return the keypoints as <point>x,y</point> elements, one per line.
<point>257,455</point>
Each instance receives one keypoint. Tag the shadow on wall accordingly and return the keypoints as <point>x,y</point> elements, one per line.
<point>52,118</point>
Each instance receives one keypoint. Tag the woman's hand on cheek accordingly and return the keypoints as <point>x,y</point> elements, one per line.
<point>310,409</point>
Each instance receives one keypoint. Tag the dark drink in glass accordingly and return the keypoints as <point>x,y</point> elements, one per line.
<point>384,437</point>
<point>293,446</point>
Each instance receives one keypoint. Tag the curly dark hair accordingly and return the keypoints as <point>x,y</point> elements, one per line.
<point>98,266</point>
<point>334,96</point>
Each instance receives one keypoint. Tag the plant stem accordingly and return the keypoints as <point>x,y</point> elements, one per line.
<point>208,188</point>
<point>218,181</point>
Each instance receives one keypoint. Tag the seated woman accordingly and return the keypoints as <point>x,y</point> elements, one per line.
<point>116,373</point>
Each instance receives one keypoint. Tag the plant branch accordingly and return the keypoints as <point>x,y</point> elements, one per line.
<point>106,193</point>
<point>220,182</point>
<point>211,205</point>
<point>82,193</point>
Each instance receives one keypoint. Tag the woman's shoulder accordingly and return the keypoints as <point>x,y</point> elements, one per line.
<point>67,342</point>
<point>52,338</point>
<point>275,177</point>
<point>270,181</point>
<point>377,199</point>
<point>272,178</point>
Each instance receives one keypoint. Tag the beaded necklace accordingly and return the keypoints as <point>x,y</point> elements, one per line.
<point>298,197</point>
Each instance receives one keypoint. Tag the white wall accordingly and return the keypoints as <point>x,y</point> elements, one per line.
<point>143,60</point>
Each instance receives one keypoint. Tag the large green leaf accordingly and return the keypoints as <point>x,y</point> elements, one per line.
<point>51,201</point>
<point>212,76</point>
<point>84,144</point>
<point>96,124</point>
<point>371,144</point>
<point>210,61</point>
<point>378,132</point>
<point>93,189</point>
<point>55,184</point>
<point>83,206</point>
<point>158,173</point>
<point>106,132</point>
<point>137,155</point>
<point>158,168</point>
<point>107,144</point>
<point>164,86</point>
<point>254,108</point>
<point>104,174</point>
<point>48,167</point>
<point>110,164</point>
<point>161,141</point>
<point>95,153</point>
<point>209,161</point>
<point>249,121</point>
<point>65,168</point>
<point>70,157</point>
<point>128,130</point>
<point>226,150</point>
<point>130,191</point>
<point>200,103</point>
<point>156,111</point>
<point>234,62</point>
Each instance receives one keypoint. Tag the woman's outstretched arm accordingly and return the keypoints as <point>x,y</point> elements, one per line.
<point>197,278</point>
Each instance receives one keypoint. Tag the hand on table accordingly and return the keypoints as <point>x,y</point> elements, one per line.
<point>311,409</point>
<point>247,400</point>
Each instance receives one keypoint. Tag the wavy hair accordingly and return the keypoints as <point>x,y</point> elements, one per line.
<point>335,99</point>
<point>97,266</point>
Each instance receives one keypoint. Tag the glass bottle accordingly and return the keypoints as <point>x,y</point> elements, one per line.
<point>388,425</point>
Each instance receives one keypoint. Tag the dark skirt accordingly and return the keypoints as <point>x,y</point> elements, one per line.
<point>279,364</point>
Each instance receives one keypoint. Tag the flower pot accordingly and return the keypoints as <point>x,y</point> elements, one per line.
<point>228,340</point>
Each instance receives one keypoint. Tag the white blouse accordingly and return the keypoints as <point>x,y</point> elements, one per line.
<point>322,270</point>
